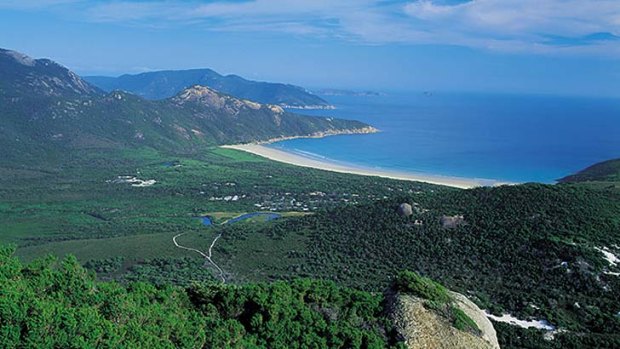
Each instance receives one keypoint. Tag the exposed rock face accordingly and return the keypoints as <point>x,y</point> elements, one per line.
<point>422,328</point>
<point>211,98</point>
<point>451,222</point>
<point>21,58</point>
<point>405,210</point>
<point>479,317</point>
<point>41,76</point>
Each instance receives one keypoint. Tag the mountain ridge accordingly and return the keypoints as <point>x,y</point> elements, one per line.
<point>50,107</point>
<point>167,83</point>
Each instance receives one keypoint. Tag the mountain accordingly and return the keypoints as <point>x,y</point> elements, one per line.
<point>606,171</point>
<point>167,83</point>
<point>24,76</point>
<point>46,106</point>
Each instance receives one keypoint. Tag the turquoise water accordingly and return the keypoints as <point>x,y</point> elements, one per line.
<point>513,138</point>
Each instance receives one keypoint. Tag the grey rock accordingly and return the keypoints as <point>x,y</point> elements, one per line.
<point>405,210</point>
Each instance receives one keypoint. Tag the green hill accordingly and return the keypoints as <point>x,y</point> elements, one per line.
<point>59,304</point>
<point>48,109</point>
<point>606,171</point>
<point>168,83</point>
<point>533,251</point>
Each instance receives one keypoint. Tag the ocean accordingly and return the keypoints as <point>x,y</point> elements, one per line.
<point>514,138</point>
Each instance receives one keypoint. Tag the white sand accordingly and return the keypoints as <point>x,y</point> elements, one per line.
<point>509,319</point>
<point>609,257</point>
<point>298,160</point>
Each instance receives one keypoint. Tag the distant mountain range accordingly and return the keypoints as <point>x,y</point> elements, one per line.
<point>165,84</point>
<point>47,107</point>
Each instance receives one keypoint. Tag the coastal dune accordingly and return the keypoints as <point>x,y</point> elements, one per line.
<point>298,160</point>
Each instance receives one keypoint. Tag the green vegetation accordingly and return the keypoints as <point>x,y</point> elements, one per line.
<point>48,110</point>
<point>606,171</point>
<point>528,250</point>
<point>50,304</point>
<point>508,257</point>
<point>461,321</point>
<point>353,236</point>
<point>47,304</point>
<point>72,158</point>
<point>108,265</point>
<point>184,271</point>
<point>77,208</point>
<point>601,176</point>
<point>436,297</point>
<point>413,283</point>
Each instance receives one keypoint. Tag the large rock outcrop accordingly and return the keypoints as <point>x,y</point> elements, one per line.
<point>451,222</point>
<point>405,210</point>
<point>423,328</point>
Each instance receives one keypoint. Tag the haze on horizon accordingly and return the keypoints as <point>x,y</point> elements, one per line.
<point>532,46</point>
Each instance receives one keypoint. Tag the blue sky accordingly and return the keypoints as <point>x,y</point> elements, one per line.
<point>534,46</point>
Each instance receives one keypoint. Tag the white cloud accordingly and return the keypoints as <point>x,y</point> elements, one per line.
<point>546,26</point>
<point>522,17</point>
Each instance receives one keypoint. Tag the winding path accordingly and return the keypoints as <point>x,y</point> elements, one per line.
<point>209,254</point>
<point>206,255</point>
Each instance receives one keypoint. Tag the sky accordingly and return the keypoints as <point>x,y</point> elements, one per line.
<point>565,47</point>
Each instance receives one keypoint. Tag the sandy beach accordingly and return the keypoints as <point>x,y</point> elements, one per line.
<point>298,160</point>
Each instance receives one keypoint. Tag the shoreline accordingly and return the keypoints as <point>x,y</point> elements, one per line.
<point>320,134</point>
<point>298,160</point>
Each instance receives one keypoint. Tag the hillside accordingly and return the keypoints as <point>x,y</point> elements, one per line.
<point>165,84</point>
<point>48,303</point>
<point>47,108</point>
<point>606,171</point>
<point>535,252</point>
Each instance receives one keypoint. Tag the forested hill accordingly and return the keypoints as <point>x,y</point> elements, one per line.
<point>165,84</point>
<point>47,108</point>
<point>533,251</point>
<point>606,171</point>
<point>51,304</point>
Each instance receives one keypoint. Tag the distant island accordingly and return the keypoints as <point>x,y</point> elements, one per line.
<point>352,93</point>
